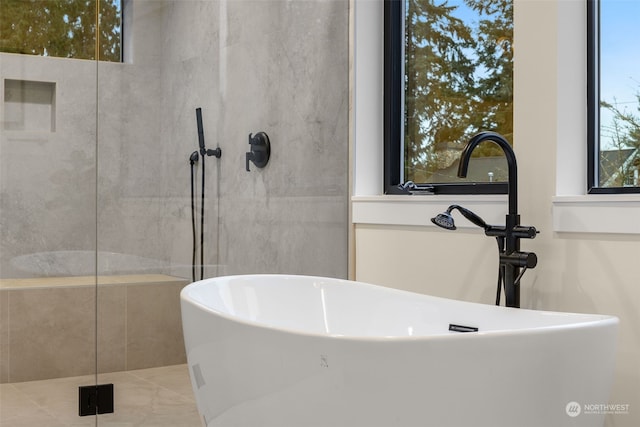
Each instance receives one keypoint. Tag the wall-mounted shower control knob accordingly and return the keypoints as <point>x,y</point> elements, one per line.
<point>260,150</point>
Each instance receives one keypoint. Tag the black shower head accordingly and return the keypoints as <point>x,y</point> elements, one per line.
<point>444,220</point>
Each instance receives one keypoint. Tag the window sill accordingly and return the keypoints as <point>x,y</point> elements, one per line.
<point>611,214</point>
<point>615,213</point>
<point>416,210</point>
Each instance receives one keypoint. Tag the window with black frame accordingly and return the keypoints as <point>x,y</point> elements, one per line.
<point>448,75</point>
<point>62,28</point>
<point>613,96</point>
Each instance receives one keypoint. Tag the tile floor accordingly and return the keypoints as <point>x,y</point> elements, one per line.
<point>155,397</point>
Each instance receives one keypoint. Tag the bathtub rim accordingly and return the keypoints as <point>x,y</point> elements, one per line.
<point>597,321</point>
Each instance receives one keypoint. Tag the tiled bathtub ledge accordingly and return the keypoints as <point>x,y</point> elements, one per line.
<point>51,327</point>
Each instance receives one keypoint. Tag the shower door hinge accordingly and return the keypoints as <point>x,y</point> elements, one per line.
<point>95,399</point>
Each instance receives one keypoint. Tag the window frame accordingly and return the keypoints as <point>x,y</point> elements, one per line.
<point>96,54</point>
<point>393,115</point>
<point>593,105</point>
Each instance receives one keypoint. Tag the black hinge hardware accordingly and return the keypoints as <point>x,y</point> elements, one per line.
<point>95,399</point>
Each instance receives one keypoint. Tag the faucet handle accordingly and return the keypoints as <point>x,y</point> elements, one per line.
<point>249,156</point>
<point>524,232</point>
<point>520,259</point>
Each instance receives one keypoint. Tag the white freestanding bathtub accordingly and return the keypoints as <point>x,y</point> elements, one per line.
<point>295,351</point>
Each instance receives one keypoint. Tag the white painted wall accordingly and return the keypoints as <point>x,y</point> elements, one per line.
<point>584,264</point>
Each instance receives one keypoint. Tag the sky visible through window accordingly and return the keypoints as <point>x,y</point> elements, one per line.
<point>619,59</point>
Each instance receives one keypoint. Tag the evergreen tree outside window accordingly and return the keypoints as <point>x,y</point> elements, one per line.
<point>448,75</point>
<point>62,28</point>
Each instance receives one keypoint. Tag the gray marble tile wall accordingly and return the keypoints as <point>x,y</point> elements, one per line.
<point>275,66</point>
<point>47,178</point>
<point>285,68</point>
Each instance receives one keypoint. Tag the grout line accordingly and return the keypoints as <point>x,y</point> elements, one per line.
<point>32,403</point>
<point>126,328</point>
<point>9,336</point>
<point>187,397</point>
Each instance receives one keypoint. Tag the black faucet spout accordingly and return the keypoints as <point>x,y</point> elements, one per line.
<point>465,157</point>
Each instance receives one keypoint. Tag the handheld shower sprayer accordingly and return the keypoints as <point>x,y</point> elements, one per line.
<point>200,130</point>
<point>445,219</point>
<point>193,158</point>
<point>204,151</point>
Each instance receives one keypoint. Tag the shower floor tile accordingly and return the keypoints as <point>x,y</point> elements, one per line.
<point>155,397</point>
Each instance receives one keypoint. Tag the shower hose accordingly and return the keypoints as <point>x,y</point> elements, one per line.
<point>192,160</point>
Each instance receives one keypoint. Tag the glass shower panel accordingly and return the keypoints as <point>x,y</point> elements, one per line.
<point>279,67</point>
<point>47,237</point>
<point>146,134</point>
<point>99,231</point>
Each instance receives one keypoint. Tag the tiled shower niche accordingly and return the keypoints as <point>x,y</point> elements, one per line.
<point>29,106</point>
